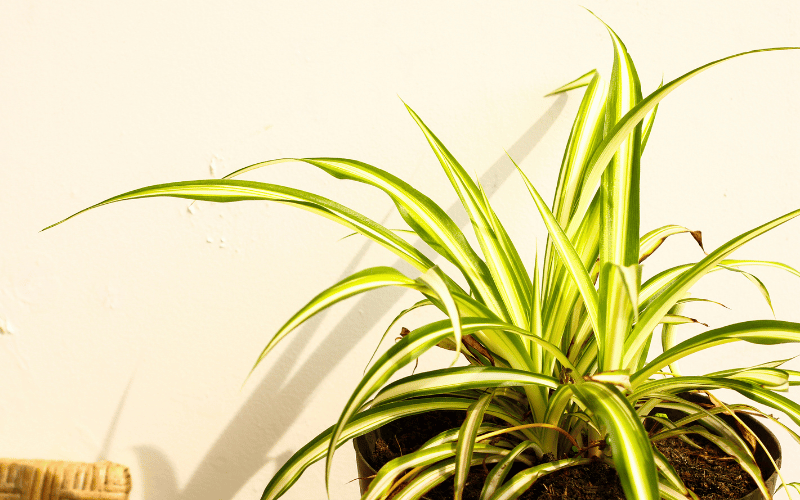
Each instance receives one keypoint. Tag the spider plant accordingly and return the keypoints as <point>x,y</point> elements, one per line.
<point>557,349</point>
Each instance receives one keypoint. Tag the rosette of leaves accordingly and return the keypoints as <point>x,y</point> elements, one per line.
<point>557,350</point>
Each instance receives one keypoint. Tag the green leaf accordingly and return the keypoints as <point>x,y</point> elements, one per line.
<point>769,364</point>
<point>434,475</point>
<point>668,337</point>
<point>709,418</point>
<point>794,486</point>
<point>619,133</point>
<point>567,252</point>
<point>619,300</point>
<point>508,272</point>
<point>394,230</point>
<point>752,391</point>
<point>698,299</point>
<point>435,279</point>
<point>556,414</point>
<point>360,282</point>
<point>581,81</point>
<point>758,283</point>
<point>535,313</point>
<point>650,242</point>
<point>767,377</point>
<point>539,401</point>
<point>559,295</point>
<point>562,313</point>
<point>677,319</point>
<point>394,468</point>
<point>466,442</point>
<point>220,190</point>
<point>618,378</point>
<point>459,379</point>
<point>648,123</point>
<point>619,242</point>
<point>763,263</point>
<point>669,493</point>
<point>619,217</point>
<point>670,427</point>
<point>630,446</point>
<point>757,332</point>
<point>499,472</point>
<point>667,471</point>
<point>586,133</point>
<point>654,286</point>
<point>451,435</point>
<point>518,484</point>
<point>678,288</point>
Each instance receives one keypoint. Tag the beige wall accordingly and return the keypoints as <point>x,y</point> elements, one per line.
<point>133,327</point>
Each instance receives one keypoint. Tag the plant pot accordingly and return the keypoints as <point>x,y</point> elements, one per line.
<point>365,445</point>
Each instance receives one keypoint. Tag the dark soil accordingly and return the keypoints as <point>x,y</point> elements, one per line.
<point>710,473</point>
<point>595,481</point>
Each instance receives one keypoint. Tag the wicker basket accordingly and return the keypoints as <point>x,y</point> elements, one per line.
<point>53,480</point>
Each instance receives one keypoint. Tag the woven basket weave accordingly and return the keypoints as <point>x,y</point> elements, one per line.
<point>53,480</point>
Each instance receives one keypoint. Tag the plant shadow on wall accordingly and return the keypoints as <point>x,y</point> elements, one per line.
<point>235,456</point>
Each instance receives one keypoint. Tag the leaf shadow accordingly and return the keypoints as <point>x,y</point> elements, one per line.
<point>159,479</point>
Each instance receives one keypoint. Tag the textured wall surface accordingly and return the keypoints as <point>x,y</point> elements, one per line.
<point>127,332</point>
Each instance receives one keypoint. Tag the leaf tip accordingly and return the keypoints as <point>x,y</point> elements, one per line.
<point>698,237</point>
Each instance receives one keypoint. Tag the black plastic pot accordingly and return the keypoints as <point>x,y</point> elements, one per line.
<point>365,445</point>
